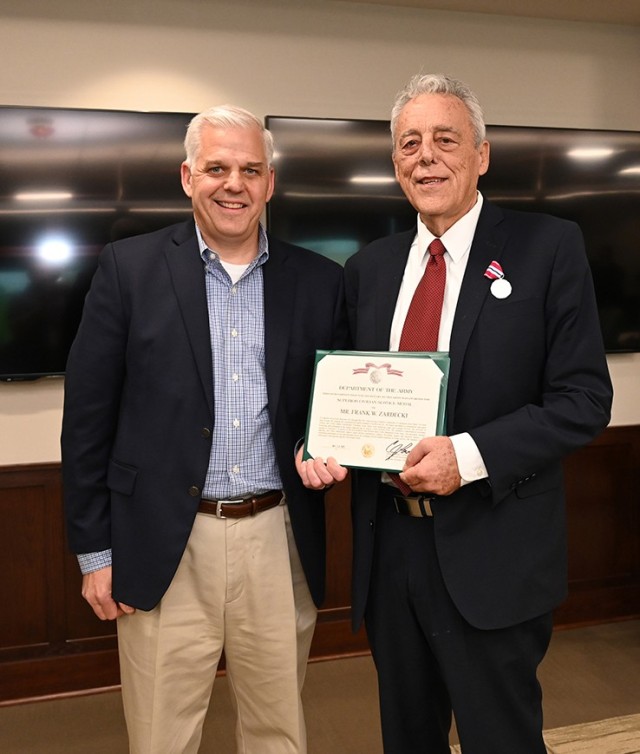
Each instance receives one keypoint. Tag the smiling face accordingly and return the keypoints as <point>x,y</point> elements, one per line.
<point>436,161</point>
<point>229,184</point>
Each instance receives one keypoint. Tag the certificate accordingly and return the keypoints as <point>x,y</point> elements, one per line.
<point>368,409</point>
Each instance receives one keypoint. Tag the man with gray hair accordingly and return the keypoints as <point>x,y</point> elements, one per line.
<point>459,562</point>
<point>186,391</point>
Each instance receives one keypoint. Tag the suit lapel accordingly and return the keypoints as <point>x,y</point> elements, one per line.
<point>279,282</point>
<point>187,275</point>
<point>487,246</point>
<point>389,272</point>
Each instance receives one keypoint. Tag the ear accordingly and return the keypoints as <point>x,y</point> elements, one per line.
<point>395,167</point>
<point>185,177</point>
<point>484,157</point>
<point>272,183</point>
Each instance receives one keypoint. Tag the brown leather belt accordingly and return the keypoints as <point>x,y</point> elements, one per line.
<point>418,506</point>
<point>247,506</point>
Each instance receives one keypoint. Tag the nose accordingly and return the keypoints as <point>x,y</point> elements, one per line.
<point>234,181</point>
<point>427,152</point>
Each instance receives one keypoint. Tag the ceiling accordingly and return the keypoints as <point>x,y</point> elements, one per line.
<point>593,11</point>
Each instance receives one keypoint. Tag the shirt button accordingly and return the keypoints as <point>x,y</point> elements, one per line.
<point>236,469</point>
<point>236,422</point>
<point>235,377</point>
<point>234,332</point>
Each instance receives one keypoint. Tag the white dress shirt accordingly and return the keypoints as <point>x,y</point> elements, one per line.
<point>457,242</point>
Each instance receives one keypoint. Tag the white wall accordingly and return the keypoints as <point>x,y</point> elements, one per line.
<point>314,58</point>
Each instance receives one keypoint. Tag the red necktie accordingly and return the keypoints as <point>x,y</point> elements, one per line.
<point>422,324</point>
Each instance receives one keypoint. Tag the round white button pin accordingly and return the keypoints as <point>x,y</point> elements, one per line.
<point>501,288</point>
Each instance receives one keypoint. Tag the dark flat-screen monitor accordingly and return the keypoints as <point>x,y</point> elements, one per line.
<point>335,192</point>
<point>71,181</point>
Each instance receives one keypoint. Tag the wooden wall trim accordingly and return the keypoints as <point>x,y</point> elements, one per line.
<point>603,520</point>
<point>51,643</point>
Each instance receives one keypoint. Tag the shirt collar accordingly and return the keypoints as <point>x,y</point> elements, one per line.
<point>208,254</point>
<point>457,240</point>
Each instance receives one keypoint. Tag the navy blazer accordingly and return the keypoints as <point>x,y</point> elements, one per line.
<point>139,407</point>
<point>529,382</point>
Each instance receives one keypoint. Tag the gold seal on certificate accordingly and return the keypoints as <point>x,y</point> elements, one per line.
<point>368,409</point>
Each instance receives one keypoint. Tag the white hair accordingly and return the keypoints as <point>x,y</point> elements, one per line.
<point>437,83</point>
<point>224,116</point>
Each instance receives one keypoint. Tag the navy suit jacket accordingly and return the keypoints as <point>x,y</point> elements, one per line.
<point>528,381</point>
<point>139,408</point>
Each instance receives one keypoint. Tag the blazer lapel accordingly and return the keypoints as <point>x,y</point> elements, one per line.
<point>187,275</point>
<point>279,282</point>
<point>388,278</point>
<point>487,246</point>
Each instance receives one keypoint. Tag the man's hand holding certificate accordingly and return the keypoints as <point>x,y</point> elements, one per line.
<point>369,409</point>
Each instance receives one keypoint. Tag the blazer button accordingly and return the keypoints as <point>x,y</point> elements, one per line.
<point>194,491</point>
<point>206,432</point>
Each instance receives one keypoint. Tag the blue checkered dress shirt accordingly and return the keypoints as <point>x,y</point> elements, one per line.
<point>243,459</point>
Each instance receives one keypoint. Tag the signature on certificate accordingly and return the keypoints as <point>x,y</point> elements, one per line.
<point>397,448</point>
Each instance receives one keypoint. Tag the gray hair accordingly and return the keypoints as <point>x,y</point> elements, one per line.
<point>437,83</point>
<point>223,116</point>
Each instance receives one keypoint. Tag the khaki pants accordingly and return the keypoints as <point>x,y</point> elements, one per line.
<point>240,586</point>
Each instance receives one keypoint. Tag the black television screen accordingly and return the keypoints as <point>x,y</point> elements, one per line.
<point>72,180</point>
<point>336,191</point>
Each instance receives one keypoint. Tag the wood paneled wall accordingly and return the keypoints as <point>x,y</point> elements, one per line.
<point>51,643</point>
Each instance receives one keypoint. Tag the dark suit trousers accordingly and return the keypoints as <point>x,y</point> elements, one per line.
<point>430,661</point>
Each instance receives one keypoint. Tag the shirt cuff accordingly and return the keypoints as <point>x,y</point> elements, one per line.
<point>470,463</point>
<point>94,561</point>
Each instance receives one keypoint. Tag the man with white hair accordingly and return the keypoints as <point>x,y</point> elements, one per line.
<point>459,562</point>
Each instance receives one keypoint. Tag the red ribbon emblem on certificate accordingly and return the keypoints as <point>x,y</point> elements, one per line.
<point>370,365</point>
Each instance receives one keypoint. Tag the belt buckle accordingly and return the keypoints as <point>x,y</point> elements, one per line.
<point>220,503</point>
<point>424,501</point>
